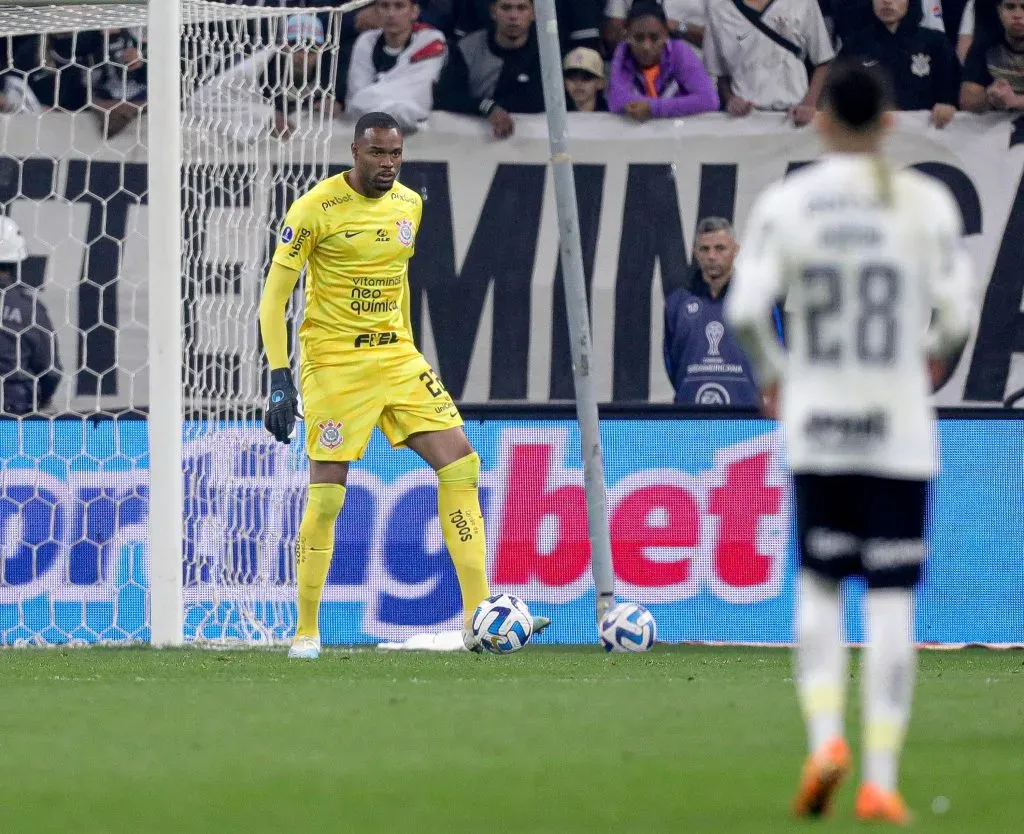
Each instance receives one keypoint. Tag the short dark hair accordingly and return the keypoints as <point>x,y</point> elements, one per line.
<point>374,121</point>
<point>646,8</point>
<point>857,95</point>
<point>710,225</point>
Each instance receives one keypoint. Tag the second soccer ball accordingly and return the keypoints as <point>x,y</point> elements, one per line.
<point>628,627</point>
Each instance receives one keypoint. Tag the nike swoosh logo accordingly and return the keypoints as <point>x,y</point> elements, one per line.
<point>352,234</point>
<point>743,37</point>
<point>871,63</point>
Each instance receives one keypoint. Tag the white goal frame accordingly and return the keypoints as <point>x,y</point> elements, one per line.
<point>166,483</point>
<point>164,20</point>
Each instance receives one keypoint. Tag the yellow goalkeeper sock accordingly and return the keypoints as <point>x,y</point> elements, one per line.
<point>315,548</point>
<point>462,522</point>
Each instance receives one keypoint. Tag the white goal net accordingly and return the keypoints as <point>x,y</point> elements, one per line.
<point>258,115</point>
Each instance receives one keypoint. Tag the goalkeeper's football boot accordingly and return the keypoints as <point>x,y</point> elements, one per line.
<point>304,648</point>
<point>877,805</point>
<point>540,623</point>
<point>470,641</point>
<point>822,775</point>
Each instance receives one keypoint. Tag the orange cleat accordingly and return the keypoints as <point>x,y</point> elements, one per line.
<point>876,805</point>
<point>823,772</point>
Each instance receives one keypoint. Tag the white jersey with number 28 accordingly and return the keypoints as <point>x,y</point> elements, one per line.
<point>875,280</point>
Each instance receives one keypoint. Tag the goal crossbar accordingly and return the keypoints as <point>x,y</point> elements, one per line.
<point>40,17</point>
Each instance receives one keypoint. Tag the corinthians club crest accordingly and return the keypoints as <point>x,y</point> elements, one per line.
<point>330,434</point>
<point>921,65</point>
<point>405,232</point>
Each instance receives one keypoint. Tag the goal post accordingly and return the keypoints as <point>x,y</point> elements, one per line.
<point>166,474</point>
<point>164,232</point>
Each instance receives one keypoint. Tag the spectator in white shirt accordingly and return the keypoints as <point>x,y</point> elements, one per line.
<point>685,19</point>
<point>759,50</point>
<point>394,68</point>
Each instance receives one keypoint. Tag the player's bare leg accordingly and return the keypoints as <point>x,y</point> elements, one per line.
<point>821,671</point>
<point>450,454</point>
<point>315,547</point>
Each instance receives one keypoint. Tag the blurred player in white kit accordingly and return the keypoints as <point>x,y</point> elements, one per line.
<point>879,296</point>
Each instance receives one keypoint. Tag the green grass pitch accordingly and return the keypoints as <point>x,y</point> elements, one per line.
<point>682,739</point>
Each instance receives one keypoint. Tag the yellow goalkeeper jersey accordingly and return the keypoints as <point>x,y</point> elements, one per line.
<point>358,252</point>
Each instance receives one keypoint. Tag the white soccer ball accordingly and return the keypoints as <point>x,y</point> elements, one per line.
<point>503,624</point>
<point>628,627</point>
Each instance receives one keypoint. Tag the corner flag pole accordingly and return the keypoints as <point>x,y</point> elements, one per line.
<point>576,306</point>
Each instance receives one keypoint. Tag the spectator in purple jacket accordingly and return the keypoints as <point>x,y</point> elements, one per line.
<point>654,77</point>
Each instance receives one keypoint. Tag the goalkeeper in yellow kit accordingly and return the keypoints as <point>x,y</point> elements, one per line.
<point>360,367</point>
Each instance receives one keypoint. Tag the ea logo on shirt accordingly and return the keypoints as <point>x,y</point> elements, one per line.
<point>287,233</point>
<point>330,434</point>
<point>405,231</point>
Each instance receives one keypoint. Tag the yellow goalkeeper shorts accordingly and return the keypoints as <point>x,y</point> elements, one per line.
<point>396,390</point>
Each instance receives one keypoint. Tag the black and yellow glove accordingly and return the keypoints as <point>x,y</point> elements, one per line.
<point>283,408</point>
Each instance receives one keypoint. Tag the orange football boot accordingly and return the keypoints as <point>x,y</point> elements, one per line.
<point>823,772</point>
<point>876,805</point>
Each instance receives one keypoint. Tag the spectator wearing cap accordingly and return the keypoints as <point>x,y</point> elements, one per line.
<point>496,71</point>
<point>30,368</point>
<point>298,75</point>
<point>585,81</point>
<point>653,76</point>
<point>759,50</point>
<point>686,20</point>
<point>920,62</point>
<point>394,68</point>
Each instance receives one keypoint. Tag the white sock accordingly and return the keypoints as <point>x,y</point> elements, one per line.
<point>889,664</point>
<point>821,658</point>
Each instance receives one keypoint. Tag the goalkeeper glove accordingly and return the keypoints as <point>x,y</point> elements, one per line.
<point>283,408</point>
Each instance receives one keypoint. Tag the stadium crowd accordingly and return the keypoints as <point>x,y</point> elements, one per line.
<point>640,59</point>
<point>643,59</point>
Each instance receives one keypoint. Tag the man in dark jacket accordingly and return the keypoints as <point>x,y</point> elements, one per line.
<point>704,362</point>
<point>30,369</point>
<point>496,71</point>
<point>579,21</point>
<point>921,62</point>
